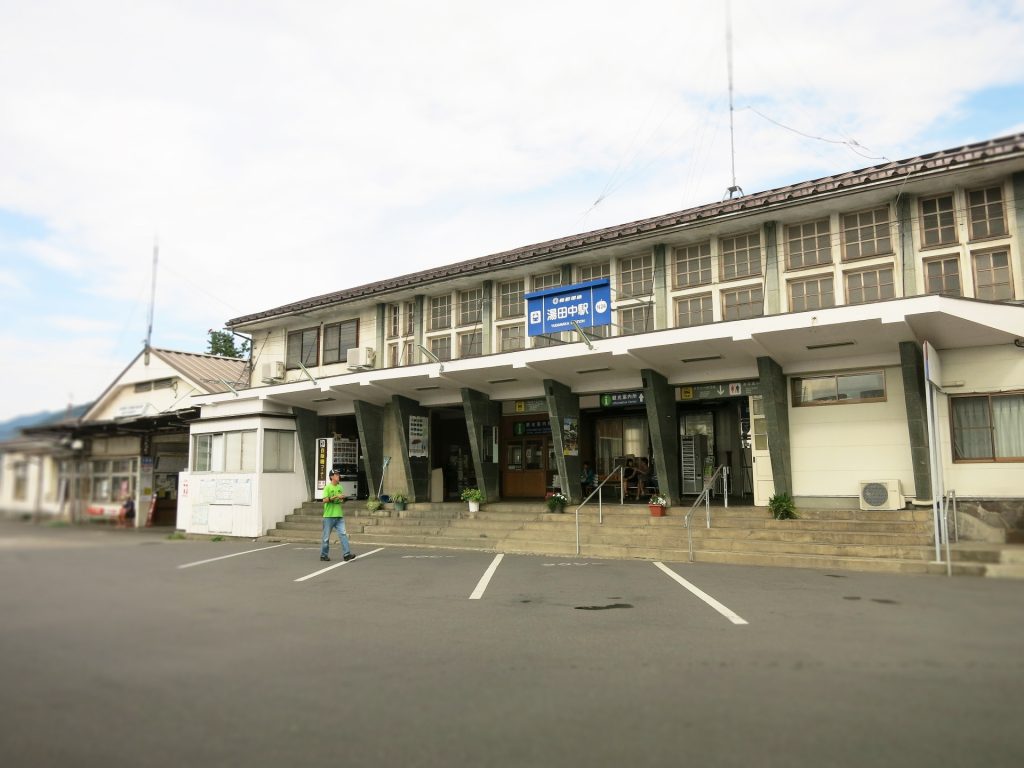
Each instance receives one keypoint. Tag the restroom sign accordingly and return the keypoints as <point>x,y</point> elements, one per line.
<point>557,309</point>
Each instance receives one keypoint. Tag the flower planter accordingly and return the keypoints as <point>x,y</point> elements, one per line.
<point>656,510</point>
<point>474,506</point>
<point>400,506</point>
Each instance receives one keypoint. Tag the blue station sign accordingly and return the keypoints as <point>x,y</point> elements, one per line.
<point>553,310</point>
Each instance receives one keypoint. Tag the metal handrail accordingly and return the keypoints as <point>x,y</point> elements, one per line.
<point>949,502</point>
<point>709,485</point>
<point>600,506</point>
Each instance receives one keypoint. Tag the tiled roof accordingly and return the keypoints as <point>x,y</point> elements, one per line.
<point>208,371</point>
<point>897,171</point>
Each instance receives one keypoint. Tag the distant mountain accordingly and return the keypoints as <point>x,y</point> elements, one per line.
<point>12,428</point>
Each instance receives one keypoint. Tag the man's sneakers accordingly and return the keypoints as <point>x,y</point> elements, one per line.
<point>349,556</point>
<point>325,559</point>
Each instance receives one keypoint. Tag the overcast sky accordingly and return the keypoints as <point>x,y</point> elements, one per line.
<point>280,149</point>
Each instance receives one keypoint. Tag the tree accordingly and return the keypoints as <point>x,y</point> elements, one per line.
<point>223,343</point>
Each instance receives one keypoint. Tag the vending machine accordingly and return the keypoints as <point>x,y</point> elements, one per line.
<point>341,454</point>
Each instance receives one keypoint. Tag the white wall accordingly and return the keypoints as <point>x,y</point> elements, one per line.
<point>982,370</point>
<point>836,447</point>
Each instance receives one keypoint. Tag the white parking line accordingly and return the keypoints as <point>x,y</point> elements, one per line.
<point>225,557</point>
<point>733,617</point>
<point>486,578</point>
<point>338,565</point>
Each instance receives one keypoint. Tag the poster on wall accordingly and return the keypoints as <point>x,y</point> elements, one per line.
<point>570,436</point>
<point>418,435</point>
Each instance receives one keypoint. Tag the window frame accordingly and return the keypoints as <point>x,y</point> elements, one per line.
<point>438,318</point>
<point>645,310</point>
<point>859,226</point>
<point>330,359</point>
<point>690,260</point>
<point>635,280</point>
<point>470,306</point>
<point>986,204</point>
<point>939,220</point>
<point>860,272</point>
<point>725,295</point>
<point>705,299</point>
<point>804,281</point>
<point>795,388</point>
<point>730,260</point>
<point>945,259</point>
<point>301,335</point>
<point>510,299</point>
<point>975,274</point>
<point>273,437</point>
<point>802,236</point>
<point>505,336</point>
<point>991,427</point>
<point>475,340</point>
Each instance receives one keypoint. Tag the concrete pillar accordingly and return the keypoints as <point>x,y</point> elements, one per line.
<point>912,365</point>
<point>660,288</point>
<point>660,401</point>
<point>417,469</point>
<point>307,430</point>
<point>776,410</point>
<point>370,423</point>
<point>905,257</point>
<point>772,270</point>
<point>483,422</point>
<point>379,343</point>
<point>418,327</point>
<point>564,413</point>
<point>487,319</point>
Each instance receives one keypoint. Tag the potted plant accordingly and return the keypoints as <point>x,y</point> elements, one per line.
<point>373,504</point>
<point>474,496</point>
<point>556,501</point>
<point>782,507</point>
<point>399,500</point>
<point>657,505</point>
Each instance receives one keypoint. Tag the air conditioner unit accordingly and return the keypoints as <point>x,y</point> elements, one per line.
<point>360,357</point>
<point>273,371</point>
<point>882,494</point>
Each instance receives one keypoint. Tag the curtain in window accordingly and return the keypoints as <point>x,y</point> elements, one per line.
<point>972,434</point>
<point>1008,420</point>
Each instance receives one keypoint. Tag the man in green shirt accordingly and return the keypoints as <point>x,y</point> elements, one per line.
<point>334,518</point>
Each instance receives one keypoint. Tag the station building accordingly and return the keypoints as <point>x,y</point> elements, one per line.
<point>856,341</point>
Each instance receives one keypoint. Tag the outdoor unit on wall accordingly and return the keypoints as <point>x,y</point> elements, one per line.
<point>881,494</point>
<point>272,372</point>
<point>360,357</point>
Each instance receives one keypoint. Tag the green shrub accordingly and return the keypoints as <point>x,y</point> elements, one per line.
<point>782,507</point>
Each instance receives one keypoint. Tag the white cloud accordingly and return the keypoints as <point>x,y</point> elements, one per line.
<point>289,149</point>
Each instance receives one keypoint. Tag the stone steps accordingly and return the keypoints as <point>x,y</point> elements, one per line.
<point>872,540</point>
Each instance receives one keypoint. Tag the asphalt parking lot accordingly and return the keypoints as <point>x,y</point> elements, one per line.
<point>127,648</point>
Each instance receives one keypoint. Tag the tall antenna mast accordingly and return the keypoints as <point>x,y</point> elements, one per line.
<point>735,189</point>
<point>152,300</point>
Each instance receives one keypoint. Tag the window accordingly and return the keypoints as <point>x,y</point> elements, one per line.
<point>512,337</point>
<point>938,221</point>
<point>636,277</point>
<point>21,481</point>
<point>394,318</point>
<point>740,256</point>
<point>549,280</point>
<point>147,386</point>
<point>441,346</point>
<point>471,344</point>
<point>694,310</point>
<point>812,293</point>
<point>548,340</point>
<point>339,338</point>
<point>224,452</point>
<point>869,285</point>
<point>988,427</point>
<point>440,312</point>
<point>808,245</point>
<point>691,265</point>
<point>240,451</point>
<point>985,213</point>
<point>992,279</point>
<point>743,303</point>
<point>278,451</point>
<point>409,315</point>
<point>400,354</point>
<point>866,234</point>
<point>302,346</point>
<point>636,320</point>
<point>868,386</point>
<point>470,306</point>
<point>112,479</point>
<point>942,276</point>
<point>599,271</point>
<point>510,299</point>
